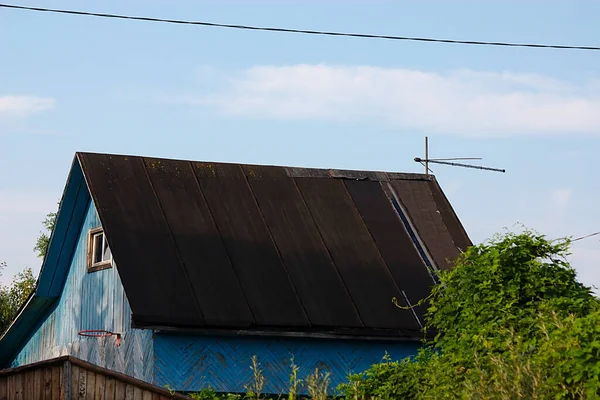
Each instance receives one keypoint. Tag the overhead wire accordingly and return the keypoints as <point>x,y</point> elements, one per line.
<point>586,236</point>
<point>300,31</point>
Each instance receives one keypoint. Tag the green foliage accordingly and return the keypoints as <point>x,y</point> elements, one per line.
<point>210,394</point>
<point>504,284</point>
<point>570,352</point>
<point>511,322</point>
<point>43,241</point>
<point>423,373</point>
<point>14,296</point>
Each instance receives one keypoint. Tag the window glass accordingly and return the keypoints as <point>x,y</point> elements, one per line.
<point>106,254</point>
<point>98,244</point>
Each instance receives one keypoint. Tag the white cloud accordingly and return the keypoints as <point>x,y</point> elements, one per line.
<point>22,106</point>
<point>456,102</point>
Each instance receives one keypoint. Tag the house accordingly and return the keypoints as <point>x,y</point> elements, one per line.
<point>194,267</point>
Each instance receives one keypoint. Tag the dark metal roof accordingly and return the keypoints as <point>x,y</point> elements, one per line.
<point>215,246</point>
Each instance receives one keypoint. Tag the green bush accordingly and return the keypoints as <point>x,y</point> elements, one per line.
<point>512,322</point>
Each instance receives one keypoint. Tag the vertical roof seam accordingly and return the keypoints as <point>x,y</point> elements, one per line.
<point>411,230</point>
<point>328,251</point>
<point>287,272</point>
<point>212,218</point>
<point>387,267</point>
<point>175,247</point>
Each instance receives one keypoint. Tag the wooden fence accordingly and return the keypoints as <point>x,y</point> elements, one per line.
<point>69,378</point>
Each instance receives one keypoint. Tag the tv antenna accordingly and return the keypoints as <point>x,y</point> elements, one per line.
<point>447,161</point>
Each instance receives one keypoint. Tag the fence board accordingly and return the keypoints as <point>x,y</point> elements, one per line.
<point>129,392</point>
<point>28,384</point>
<point>10,387</point>
<point>109,389</point>
<point>56,383</point>
<point>137,393</point>
<point>90,386</point>
<point>3,387</point>
<point>44,380</point>
<point>100,387</point>
<point>119,390</point>
<point>19,387</point>
<point>46,384</point>
<point>38,383</point>
<point>81,383</point>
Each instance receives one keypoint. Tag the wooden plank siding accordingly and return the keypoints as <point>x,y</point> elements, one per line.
<point>190,363</point>
<point>93,300</point>
<point>40,381</point>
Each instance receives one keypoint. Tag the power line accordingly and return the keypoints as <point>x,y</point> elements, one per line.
<point>302,31</point>
<point>586,236</point>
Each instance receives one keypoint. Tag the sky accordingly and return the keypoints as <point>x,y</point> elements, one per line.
<point>73,83</point>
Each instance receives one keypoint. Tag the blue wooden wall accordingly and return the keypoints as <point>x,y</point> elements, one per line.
<point>192,362</point>
<point>91,301</point>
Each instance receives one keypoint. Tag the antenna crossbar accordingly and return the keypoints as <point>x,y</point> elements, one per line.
<point>446,161</point>
<point>455,158</point>
<point>419,160</point>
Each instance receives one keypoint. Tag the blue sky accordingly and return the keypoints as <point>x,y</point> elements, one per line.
<point>71,83</point>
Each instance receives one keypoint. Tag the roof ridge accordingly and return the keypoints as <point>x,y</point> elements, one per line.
<point>293,171</point>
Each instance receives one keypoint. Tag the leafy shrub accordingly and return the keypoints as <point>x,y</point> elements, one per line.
<point>512,322</point>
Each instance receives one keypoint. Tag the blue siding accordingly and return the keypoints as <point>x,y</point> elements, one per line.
<point>91,301</point>
<point>193,362</point>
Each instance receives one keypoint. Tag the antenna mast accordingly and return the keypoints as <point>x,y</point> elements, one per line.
<point>426,156</point>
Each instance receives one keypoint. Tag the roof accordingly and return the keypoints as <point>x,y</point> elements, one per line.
<point>254,249</point>
<point>202,245</point>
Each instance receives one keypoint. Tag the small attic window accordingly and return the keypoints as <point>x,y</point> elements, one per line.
<point>99,254</point>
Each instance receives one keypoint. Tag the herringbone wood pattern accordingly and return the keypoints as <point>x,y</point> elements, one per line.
<point>190,363</point>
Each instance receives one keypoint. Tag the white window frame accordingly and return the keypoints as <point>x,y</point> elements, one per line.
<point>91,253</point>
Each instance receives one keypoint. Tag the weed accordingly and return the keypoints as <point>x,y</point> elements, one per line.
<point>294,381</point>
<point>170,389</point>
<point>318,384</point>
<point>254,389</point>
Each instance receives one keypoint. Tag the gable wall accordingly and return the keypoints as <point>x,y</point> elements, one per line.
<point>91,301</point>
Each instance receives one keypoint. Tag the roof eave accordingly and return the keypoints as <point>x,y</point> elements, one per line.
<point>71,211</point>
<point>323,332</point>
